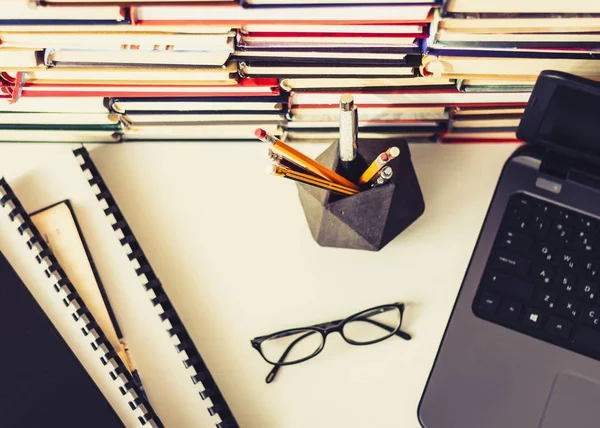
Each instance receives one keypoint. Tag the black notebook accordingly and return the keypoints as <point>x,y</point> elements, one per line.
<point>43,383</point>
<point>177,383</point>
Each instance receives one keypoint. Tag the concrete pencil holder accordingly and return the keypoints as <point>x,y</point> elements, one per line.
<point>372,218</point>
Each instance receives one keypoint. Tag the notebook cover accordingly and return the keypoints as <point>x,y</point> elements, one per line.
<point>58,22</point>
<point>257,86</point>
<point>112,103</point>
<point>246,4</point>
<point>191,358</point>
<point>236,23</point>
<point>443,52</point>
<point>68,397</point>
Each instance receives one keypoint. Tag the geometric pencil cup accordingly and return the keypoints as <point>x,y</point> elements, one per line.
<point>373,217</point>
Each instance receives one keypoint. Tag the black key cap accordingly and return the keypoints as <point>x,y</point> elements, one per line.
<point>590,315</point>
<point>511,240</point>
<point>544,252</point>
<point>489,303</point>
<point>542,274</point>
<point>521,202</point>
<point>582,240</point>
<point>590,269</point>
<point>567,307</point>
<point>568,259</point>
<point>588,339</point>
<point>510,311</point>
<point>533,318</point>
<point>588,223</point>
<point>545,300</point>
<point>562,233</point>
<point>540,226</point>
<point>566,282</point>
<point>566,216</point>
<point>587,290</point>
<point>544,208</point>
<point>559,328</point>
<point>510,263</point>
<point>509,286</point>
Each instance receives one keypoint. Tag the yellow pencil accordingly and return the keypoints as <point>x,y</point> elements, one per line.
<point>281,171</point>
<point>377,164</point>
<point>298,158</point>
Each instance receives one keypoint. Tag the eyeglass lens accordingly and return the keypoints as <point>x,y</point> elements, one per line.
<point>290,347</point>
<point>373,325</point>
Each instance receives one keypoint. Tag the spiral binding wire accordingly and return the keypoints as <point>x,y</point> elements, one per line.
<point>73,302</point>
<point>196,368</point>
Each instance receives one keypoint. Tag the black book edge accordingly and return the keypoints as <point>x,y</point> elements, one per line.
<point>192,358</point>
<point>43,254</point>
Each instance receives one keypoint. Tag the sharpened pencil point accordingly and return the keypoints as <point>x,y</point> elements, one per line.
<point>260,133</point>
<point>271,168</point>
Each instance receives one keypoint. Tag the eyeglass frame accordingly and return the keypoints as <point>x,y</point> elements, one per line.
<point>325,329</point>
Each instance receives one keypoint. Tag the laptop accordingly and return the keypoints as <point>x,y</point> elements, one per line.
<point>522,346</point>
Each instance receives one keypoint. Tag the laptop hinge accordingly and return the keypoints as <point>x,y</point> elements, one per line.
<point>558,165</point>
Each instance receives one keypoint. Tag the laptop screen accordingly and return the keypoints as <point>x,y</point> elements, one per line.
<point>572,119</point>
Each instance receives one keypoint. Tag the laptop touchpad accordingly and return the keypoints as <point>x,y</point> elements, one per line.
<point>574,402</point>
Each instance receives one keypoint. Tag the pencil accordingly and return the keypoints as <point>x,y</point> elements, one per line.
<point>278,170</point>
<point>278,158</point>
<point>374,168</point>
<point>303,160</point>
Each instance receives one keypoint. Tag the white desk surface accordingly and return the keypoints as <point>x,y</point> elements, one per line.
<point>208,215</point>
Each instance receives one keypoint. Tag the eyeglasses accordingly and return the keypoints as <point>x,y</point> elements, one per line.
<point>296,345</point>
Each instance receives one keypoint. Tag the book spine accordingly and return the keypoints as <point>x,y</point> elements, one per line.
<point>75,305</point>
<point>192,361</point>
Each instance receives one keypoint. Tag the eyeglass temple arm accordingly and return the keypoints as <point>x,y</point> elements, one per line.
<point>271,376</point>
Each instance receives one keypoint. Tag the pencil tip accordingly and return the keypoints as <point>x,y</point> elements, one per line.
<point>260,133</point>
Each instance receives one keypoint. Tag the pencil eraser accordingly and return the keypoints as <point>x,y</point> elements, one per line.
<point>260,133</point>
<point>394,151</point>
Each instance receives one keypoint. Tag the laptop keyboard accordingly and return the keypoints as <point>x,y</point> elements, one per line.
<point>543,274</point>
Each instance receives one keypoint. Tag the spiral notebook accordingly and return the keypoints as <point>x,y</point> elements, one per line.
<point>48,379</point>
<point>177,382</point>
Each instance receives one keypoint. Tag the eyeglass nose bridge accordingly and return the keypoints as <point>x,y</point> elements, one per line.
<point>331,327</point>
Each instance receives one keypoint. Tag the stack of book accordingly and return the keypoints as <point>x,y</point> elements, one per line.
<point>93,51</point>
<point>426,70</point>
<point>494,51</point>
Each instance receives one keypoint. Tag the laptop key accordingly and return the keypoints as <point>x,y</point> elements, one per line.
<point>542,274</point>
<point>568,259</point>
<point>540,226</point>
<point>489,303</point>
<point>514,241</point>
<point>544,252</point>
<point>545,300</point>
<point>558,327</point>
<point>587,290</point>
<point>510,263</point>
<point>590,315</point>
<point>511,310</point>
<point>566,282</point>
<point>567,307</point>
<point>512,287</point>
<point>533,318</point>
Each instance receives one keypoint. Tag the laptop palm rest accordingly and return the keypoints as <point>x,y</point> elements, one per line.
<point>573,402</point>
